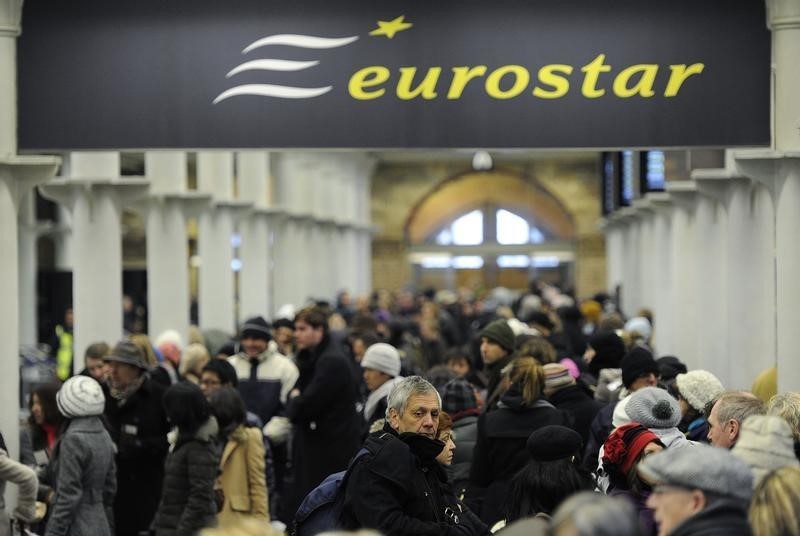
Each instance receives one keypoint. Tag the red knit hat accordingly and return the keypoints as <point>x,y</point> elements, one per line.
<point>625,444</point>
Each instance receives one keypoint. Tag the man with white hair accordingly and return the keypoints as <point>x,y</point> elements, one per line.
<point>170,345</point>
<point>398,487</point>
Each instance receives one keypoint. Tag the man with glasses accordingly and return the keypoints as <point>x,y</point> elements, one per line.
<point>698,490</point>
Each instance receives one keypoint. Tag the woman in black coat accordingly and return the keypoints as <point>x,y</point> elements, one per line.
<point>500,450</point>
<point>187,500</point>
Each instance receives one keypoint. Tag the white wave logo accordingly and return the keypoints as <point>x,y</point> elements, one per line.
<point>279,91</point>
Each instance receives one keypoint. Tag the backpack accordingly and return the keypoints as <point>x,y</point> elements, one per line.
<point>321,510</point>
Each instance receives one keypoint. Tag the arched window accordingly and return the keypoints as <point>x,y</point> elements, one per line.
<point>467,230</point>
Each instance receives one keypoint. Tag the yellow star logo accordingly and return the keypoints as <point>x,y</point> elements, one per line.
<point>391,27</point>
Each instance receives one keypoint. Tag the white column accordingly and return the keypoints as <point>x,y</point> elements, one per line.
<point>217,291</point>
<point>255,252</point>
<point>661,266</point>
<point>779,172</point>
<point>646,248</point>
<point>630,261</point>
<point>17,176</point>
<point>614,237</point>
<point>712,270</point>
<point>683,257</point>
<point>29,232</point>
<point>166,213</point>
<point>95,196</point>
<point>751,282</point>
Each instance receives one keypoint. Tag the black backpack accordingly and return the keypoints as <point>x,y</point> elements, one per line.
<point>321,510</point>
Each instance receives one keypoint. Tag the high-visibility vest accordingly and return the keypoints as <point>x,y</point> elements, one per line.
<point>64,354</point>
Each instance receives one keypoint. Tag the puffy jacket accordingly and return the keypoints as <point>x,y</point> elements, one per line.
<point>187,499</point>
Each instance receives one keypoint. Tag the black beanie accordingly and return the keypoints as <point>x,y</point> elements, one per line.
<point>553,442</point>
<point>500,333</point>
<point>636,363</point>
<point>609,350</point>
<point>256,328</point>
<point>670,366</point>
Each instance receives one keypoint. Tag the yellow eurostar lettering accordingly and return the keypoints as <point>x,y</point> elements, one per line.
<point>521,79</point>
<point>510,81</point>
<point>462,76</point>
<point>678,75</point>
<point>426,88</point>
<point>548,77</point>
<point>644,87</point>
<point>593,70</point>
<point>371,76</point>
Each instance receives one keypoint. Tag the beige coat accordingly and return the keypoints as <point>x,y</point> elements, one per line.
<point>242,477</point>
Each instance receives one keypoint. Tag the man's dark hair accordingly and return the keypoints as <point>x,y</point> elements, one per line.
<point>313,316</point>
<point>225,371</point>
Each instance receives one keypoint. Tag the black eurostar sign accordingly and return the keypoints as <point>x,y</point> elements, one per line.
<point>383,74</point>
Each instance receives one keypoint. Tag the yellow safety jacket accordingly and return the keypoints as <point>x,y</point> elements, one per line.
<point>64,354</point>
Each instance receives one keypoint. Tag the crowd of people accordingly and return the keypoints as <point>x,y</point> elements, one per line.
<point>452,415</point>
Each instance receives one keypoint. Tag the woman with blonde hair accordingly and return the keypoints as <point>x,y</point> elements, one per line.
<point>775,506</point>
<point>194,358</point>
<point>502,435</point>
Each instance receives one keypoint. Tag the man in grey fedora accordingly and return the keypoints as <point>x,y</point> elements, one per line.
<point>138,426</point>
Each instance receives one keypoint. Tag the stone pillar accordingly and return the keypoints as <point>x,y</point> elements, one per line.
<point>630,261</point>
<point>646,249</point>
<point>95,196</point>
<point>751,282</point>
<point>613,231</point>
<point>216,227</point>
<point>683,257</point>
<point>166,212</point>
<point>18,174</point>
<point>711,221</point>
<point>779,171</point>
<point>29,232</point>
<point>255,252</point>
<point>293,268</point>
<point>660,266</point>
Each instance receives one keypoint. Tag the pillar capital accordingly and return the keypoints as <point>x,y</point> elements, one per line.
<point>766,167</point>
<point>682,193</point>
<point>122,191</point>
<point>10,17</point>
<point>782,14</point>
<point>716,183</point>
<point>25,172</point>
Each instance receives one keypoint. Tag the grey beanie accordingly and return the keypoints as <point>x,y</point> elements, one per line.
<point>698,388</point>
<point>127,352</point>
<point>765,443</point>
<point>382,357</point>
<point>653,407</point>
<point>702,467</point>
<point>80,396</point>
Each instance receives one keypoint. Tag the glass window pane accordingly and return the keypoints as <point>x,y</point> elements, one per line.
<point>545,262</point>
<point>435,262</point>
<point>513,261</point>
<point>511,229</point>
<point>468,229</point>
<point>468,262</point>
<point>445,238</point>
<point>537,237</point>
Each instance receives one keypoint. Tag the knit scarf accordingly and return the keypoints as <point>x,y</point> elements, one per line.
<point>123,395</point>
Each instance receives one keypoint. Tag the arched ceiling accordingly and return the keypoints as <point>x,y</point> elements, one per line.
<point>505,189</point>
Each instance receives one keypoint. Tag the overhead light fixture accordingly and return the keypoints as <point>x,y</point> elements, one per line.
<point>482,161</point>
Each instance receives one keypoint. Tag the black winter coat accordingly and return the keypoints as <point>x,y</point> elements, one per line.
<point>466,433</point>
<point>722,517</point>
<point>188,500</point>
<point>398,488</point>
<point>500,451</point>
<point>139,429</point>
<point>599,431</point>
<point>582,407</point>
<point>327,428</point>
